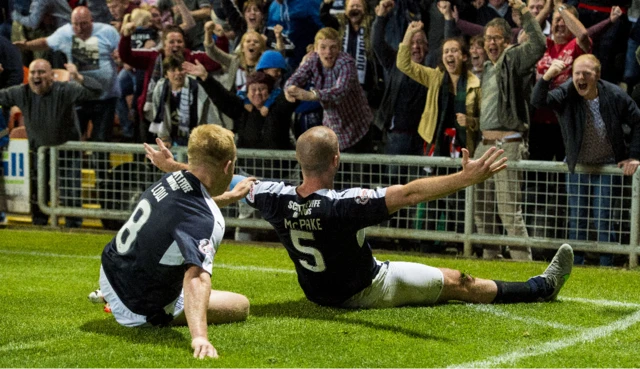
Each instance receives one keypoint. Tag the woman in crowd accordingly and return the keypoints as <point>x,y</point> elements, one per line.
<point>239,64</point>
<point>451,114</point>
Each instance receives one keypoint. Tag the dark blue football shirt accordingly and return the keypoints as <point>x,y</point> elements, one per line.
<point>175,224</point>
<point>324,236</point>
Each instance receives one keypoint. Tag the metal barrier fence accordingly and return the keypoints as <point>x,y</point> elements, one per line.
<point>101,180</point>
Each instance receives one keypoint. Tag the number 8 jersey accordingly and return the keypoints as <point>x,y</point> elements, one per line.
<point>324,236</point>
<point>175,224</point>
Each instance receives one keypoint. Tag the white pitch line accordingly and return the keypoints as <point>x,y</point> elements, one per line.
<point>97,257</point>
<point>607,303</point>
<point>588,335</point>
<point>493,309</point>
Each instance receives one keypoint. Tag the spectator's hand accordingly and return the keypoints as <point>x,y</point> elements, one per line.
<point>411,30</point>
<point>277,30</point>
<point>616,12</point>
<point>203,348</point>
<point>127,67</point>
<point>518,5</point>
<point>445,9</point>
<point>629,166</point>
<point>478,3</point>
<point>248,107</point>
<point>196,70</point>
<point>516,16</point>
<point>462,119</point>
<point>556,4</point>
<point>218,30</point>
<point>128,28</point>
<point>476,171</point>
<point>287,96</point>
<point>22,45</point>
<point>294,92</point>
<point>557,66</point>
<point>384,8</point>
<point>1,69</point>
<point>161,158</point>
<point>73,71</point>
<point>264,111</point>
<point>328,1</point>
<point>455,14</point>
<point>210,27</point>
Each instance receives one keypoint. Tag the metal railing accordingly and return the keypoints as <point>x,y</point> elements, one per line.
<point>120,174</point>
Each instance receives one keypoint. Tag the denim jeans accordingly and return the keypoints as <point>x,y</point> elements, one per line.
<point>595,187</point>
<point>127,82</point>
<point>631,66</point>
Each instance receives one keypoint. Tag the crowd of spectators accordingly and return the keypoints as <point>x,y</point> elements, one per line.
<point>411,77</point>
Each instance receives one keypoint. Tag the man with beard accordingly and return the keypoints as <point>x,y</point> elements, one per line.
<point>591,112</point>
<point>151,62</point>
<point>504,121</point>
<point>50,120</point>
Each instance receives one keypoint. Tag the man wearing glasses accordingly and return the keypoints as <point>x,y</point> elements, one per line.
<point>504,122</point>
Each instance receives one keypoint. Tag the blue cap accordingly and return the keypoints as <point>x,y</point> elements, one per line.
<point>271,59</point>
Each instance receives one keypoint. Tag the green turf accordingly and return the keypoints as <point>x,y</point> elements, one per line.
<point>46,320</point>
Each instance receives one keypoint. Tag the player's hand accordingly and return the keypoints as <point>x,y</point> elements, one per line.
<point>162,158</point>
<point>203,348</point>
<point>240,190</point>
<point>484,167</point>
<point>629,166</point>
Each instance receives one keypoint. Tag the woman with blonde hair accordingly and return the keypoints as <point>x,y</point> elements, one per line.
<point>239,64</point>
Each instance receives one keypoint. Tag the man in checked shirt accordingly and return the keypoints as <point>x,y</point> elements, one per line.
<point>333,77</point>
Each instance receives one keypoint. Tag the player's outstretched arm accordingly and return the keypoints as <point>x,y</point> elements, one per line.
<point>238,190</point>
<point>431,188</point>
<point>162,158</point>
<point>197,288</point>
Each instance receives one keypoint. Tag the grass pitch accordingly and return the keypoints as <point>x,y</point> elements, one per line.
<point>47,321</point>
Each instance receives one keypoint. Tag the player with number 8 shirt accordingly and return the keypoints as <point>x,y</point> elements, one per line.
<point>157,270</point>
<point>323,232</point>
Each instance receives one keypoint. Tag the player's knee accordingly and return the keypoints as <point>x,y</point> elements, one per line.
<point>456,280</point>
<point>228,307</point>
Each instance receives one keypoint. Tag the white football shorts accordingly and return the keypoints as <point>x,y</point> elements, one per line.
<point>400,283</point>
<point>126,317</point>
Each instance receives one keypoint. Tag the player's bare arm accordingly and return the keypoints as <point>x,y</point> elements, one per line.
<point>197,287</point>
<point>431,188</point>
